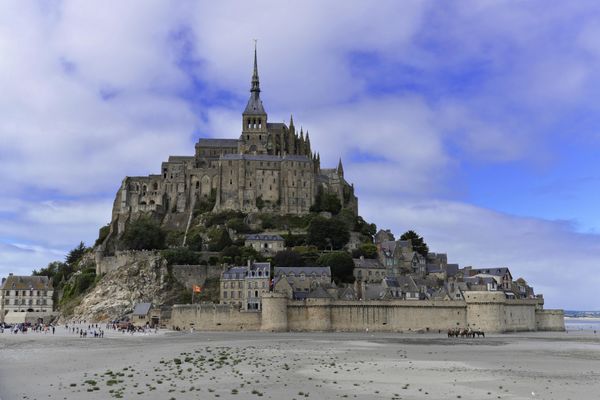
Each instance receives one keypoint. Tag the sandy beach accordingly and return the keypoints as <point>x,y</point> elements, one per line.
<point>246,365</point>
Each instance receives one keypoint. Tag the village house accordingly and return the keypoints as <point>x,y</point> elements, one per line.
<point>244,286</point>
<point>303,279</point>
<point>265,244</point>
<point>25,298</point>
<point>368,270</point>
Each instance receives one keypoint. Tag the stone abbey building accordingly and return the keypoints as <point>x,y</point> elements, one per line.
<point>270,167</point>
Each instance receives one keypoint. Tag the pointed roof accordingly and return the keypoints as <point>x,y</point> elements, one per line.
<point>340,168</point>
<point>255,106</point>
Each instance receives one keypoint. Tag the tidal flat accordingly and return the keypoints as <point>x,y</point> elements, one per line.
<point>248,365</point>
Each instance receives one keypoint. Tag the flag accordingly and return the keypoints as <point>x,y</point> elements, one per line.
<point>196,288</point>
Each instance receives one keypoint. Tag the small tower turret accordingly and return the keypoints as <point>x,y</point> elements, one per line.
<point>340,168</point>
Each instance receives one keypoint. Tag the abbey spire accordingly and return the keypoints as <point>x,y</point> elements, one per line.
<point>255,106</point>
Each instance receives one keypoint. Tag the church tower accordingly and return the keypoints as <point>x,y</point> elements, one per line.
<point>254,119</point>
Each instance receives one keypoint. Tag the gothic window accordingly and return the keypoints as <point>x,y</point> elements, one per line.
<point>259,137</point>
<point>230,182</point>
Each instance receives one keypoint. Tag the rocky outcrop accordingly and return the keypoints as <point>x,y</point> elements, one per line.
<point>144,279</point>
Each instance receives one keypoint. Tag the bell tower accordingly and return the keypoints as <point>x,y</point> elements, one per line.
<point>254,118</point>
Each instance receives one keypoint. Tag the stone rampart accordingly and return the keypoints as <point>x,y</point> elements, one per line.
<point>214,317</point>
<point>487,311</point>
<point>550,320</point>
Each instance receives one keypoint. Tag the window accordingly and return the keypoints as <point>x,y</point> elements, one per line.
<point>225,295</point>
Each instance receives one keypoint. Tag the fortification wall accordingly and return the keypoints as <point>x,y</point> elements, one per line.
<point>189,275</point>
<point>214,317</point>
<point>550,320</point>
<point>487,311</point>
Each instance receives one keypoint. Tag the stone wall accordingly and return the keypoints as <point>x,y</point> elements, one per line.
<point>214,317</point>
<point>487,311</point>
<point>550,320</point>
<point>105,264</point>
<point>189,275</point>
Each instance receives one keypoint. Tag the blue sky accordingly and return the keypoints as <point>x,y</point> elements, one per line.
<point>473,122</point>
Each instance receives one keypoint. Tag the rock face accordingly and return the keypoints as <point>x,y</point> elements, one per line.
<point>144,280</point>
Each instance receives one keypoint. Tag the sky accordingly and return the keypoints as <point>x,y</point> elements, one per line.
<point>474,123</point>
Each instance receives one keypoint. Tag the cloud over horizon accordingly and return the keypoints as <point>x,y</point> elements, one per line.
<point>474,123</point>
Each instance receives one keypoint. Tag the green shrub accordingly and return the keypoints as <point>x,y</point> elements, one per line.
<point>341,265</point>
<point>181,256</point>
<point>102,234</point>
<point>143,234</point>
<point>327,233</point>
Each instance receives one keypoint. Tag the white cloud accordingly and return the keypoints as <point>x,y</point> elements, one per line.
<point>92,92</point>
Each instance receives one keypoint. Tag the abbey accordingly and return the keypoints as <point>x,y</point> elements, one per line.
<point>270,167</point>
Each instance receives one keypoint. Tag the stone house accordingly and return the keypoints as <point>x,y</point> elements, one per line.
<point>25,294</point>
<point>144,314</point>
<point>384,236</point>
<point>400,287</point>
<point>265,243</point>
<point>244,286</point>
<point>304,279</point>
<point>399,258</point>
<point>502,275</point>
<point>369,270</point>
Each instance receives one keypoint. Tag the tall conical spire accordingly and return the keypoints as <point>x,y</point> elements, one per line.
<point>255,106</point>
<point>340,168</point>
<point>255,81</point>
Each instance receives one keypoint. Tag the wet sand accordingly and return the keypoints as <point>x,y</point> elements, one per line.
<point>247,365</point>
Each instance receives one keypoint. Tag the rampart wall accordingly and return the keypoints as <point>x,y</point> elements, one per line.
<point>487,311</point>
<point>550,320</point>
<point>214,317</point>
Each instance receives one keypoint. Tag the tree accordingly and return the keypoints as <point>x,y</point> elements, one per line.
<point>288,258</point>
<point>102,234</point>
<point>364,227</point>
<point>341,265</point>
<point>194,239</point>
<point>143,234</point>
<point>325,201</point>
<point>366,250</point>
<point>219,239</point>
<point>327,233</point>
<point>181,256</point>
<point>75,255</point>
<point>418,243</point>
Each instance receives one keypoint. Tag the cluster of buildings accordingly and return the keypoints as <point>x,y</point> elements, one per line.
<point>26,299</point>
<point>397,272</point>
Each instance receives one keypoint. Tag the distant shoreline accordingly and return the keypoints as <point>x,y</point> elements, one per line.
<point>582,318</point>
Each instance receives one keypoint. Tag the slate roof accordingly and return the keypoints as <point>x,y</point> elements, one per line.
<point>404,283</point>
<point>235,273</point>
<point>318,293</point>
<point>367,263</point>
<point>299,270</point>
<point>491,271</point>
<point>14,282</point>
<point>255,105</point>
<point>433,268</point>
<point>264,237</point>
<point>451,269</point>
<point>209,142</point>
<point>142,308</point>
